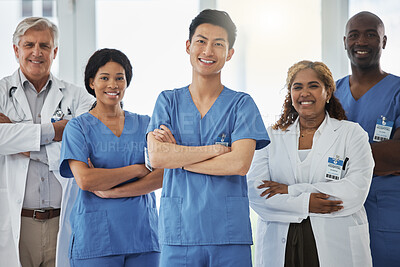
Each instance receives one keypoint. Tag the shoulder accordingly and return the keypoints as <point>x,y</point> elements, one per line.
<point>7,82</point>
<point>345,127</point>
<point>343,82</point>
<point>139,117</point>
<point>69,87</point>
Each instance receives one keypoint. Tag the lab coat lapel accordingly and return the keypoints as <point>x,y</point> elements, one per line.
<point>20,98</point>
<point>291,145</point>
<point>324,144</point>
<point>52,101</point>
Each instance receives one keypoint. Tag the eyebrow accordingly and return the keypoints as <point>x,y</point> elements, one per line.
<point>216,39</point>
<point>105,73</point>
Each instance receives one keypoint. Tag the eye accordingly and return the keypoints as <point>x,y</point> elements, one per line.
<point>104,78</point>
<point>200,41</point>
<point>353,36</point>
<point>371,35</point>
<point>219,44</point>
<point>296,88</point>
<point>120,78</point>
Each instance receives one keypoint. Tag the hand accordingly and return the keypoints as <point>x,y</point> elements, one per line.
<point>59,129</point>
<point>27,154</point>
<point>319,203</point>
<point>90,164</point>
<point>273,188</point>
<point>164,135</point>
<point>4,119</point>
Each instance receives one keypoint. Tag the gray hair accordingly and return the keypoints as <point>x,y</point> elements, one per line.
<point>36,23</point>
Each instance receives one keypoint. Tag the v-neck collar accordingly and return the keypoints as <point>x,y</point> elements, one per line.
<point>370,91</point>
<point>108,129</point>
<point>195,107</point>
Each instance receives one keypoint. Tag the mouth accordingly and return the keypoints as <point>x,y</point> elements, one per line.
<point>112,94</point>
<point>306,102</point>
<point>206,61</point>
<point>361,52</point>
<point>35,61</point>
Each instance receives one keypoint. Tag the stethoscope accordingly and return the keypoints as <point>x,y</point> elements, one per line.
<point>57,115</point>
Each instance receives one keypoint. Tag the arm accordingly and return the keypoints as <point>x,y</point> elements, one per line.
<point>98,179</point>
<point>353,188</point>
<point>387,155</point>
<point>171,156</point>
<point>145,185</point>
<point>235,162</point>
<point>19,137</point>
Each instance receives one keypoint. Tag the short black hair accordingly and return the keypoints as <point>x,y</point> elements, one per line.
<point>102,57</point>
<point>217,18</point>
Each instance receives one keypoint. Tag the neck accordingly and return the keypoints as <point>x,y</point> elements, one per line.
<point>368,75</point>
<point>311,124</point>
<point>38,83</point>
<point>204,87</point>
<point>106,111</point>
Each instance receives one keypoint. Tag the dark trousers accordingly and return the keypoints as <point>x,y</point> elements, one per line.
<point>301,250</point>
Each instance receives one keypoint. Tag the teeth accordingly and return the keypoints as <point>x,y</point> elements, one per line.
<point>362,52</point>
<point>206,61</point>
<point>306,103</point>
<point>37,62</point>
<point>113,94</point>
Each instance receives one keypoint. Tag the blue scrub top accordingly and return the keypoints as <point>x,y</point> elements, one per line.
<point>383,201</point>
<point>199,209</point>
<point>103,227</point>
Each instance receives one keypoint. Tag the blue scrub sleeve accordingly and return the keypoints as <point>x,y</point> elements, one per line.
<point>73,146</point>
<point>161,114</point>
<point>249,123</point>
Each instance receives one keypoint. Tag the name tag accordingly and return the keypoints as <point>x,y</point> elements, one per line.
<point>222,140</point>
<point>334,169</point>
<point>383,129</point>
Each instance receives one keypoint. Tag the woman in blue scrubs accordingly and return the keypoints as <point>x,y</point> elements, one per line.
<point>114,219</point>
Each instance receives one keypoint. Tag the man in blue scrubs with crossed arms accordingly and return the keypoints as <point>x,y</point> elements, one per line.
<point>204,135</point>
<point>371,97</point>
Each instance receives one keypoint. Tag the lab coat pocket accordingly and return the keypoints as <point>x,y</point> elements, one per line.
<point>170,220</point>
<point>238,220</point>
<point>359,243</point>
<point>388,203</point>
<point>91,235</point>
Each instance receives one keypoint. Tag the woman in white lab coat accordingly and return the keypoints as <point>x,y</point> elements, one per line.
<point>309,185</point>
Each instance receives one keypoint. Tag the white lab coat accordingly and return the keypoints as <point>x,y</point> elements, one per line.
<point>25,136</point>
<point>342,238</point>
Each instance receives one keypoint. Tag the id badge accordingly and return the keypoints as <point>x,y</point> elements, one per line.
<point>383,129</point>
<point>57,116</point>
<point>147,160</point>
<point>334,169</point>
<point>222,140</point>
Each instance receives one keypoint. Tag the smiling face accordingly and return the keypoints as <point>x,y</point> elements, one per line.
<point>309,95</point>
<point>209,49</point>
<point>35,53</point>
<point>365,38</point>
<point>109,84</point>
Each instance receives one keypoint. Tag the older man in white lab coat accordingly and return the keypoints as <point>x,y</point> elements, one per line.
<point>34,109</point>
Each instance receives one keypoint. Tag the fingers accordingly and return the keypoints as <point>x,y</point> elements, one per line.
<point>90,164</point>
<point>4,118</point>
<point>320,204</point>
<point>164,135</point>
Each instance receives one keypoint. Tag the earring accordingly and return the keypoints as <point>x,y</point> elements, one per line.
<point>327,101</point>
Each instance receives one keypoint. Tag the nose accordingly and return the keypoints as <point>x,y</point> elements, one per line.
<point>362,40</point>
<point>304,92</point>
<point>37,51</point>
<point>208,50</point>
<point>112,84</point>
